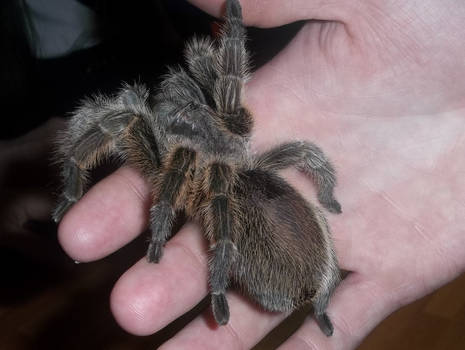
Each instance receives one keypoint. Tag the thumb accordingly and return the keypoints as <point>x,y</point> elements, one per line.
<point>272,13</point>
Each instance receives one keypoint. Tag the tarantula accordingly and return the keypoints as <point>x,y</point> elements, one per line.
<point>190,139</point>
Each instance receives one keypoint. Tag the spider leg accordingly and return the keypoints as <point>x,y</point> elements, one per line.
<point>96,131</point>
<point>232,70</point>
<point>310,159</point>
<point>162,214</point>
<point>320,302</point>
<point>322,319</point>
<point>179,88</point>
<point>219,226</point>
<point>320,299</point>
<point>201,61</point>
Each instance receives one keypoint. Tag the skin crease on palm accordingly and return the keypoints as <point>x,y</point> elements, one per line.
<point>379,86</point>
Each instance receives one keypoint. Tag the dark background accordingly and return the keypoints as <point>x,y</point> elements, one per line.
<point>47,301</point>
<point>138,40</point>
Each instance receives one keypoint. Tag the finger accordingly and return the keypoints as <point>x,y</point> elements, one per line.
<point>356,307</point>
<point>149,296</point>
<point>110,215</point>
<point>247,325</point>
<point>271,13</point>
<point>23,207</point>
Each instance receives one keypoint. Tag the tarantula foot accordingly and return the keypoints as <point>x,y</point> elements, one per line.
<point>220,308</point>
<point>233,8</point>
<point>154,252</point>
<point>61,209</point>
<point>325,324</point>
<point>331,204</point>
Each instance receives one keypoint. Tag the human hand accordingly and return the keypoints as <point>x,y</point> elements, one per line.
<point>380,89</point>
<point>25,184</point>
<point>25,174</point>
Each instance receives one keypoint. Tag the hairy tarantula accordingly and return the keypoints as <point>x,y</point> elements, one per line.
<point>190,139</point>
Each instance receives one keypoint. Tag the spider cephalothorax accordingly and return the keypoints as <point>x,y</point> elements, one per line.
<point>190,140</point>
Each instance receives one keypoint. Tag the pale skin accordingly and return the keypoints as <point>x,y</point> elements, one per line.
<point>380,87</point>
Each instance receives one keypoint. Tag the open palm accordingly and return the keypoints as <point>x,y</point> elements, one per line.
<point>379,86</point>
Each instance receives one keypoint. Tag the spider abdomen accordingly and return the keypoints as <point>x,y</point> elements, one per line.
<point>285,256</point>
